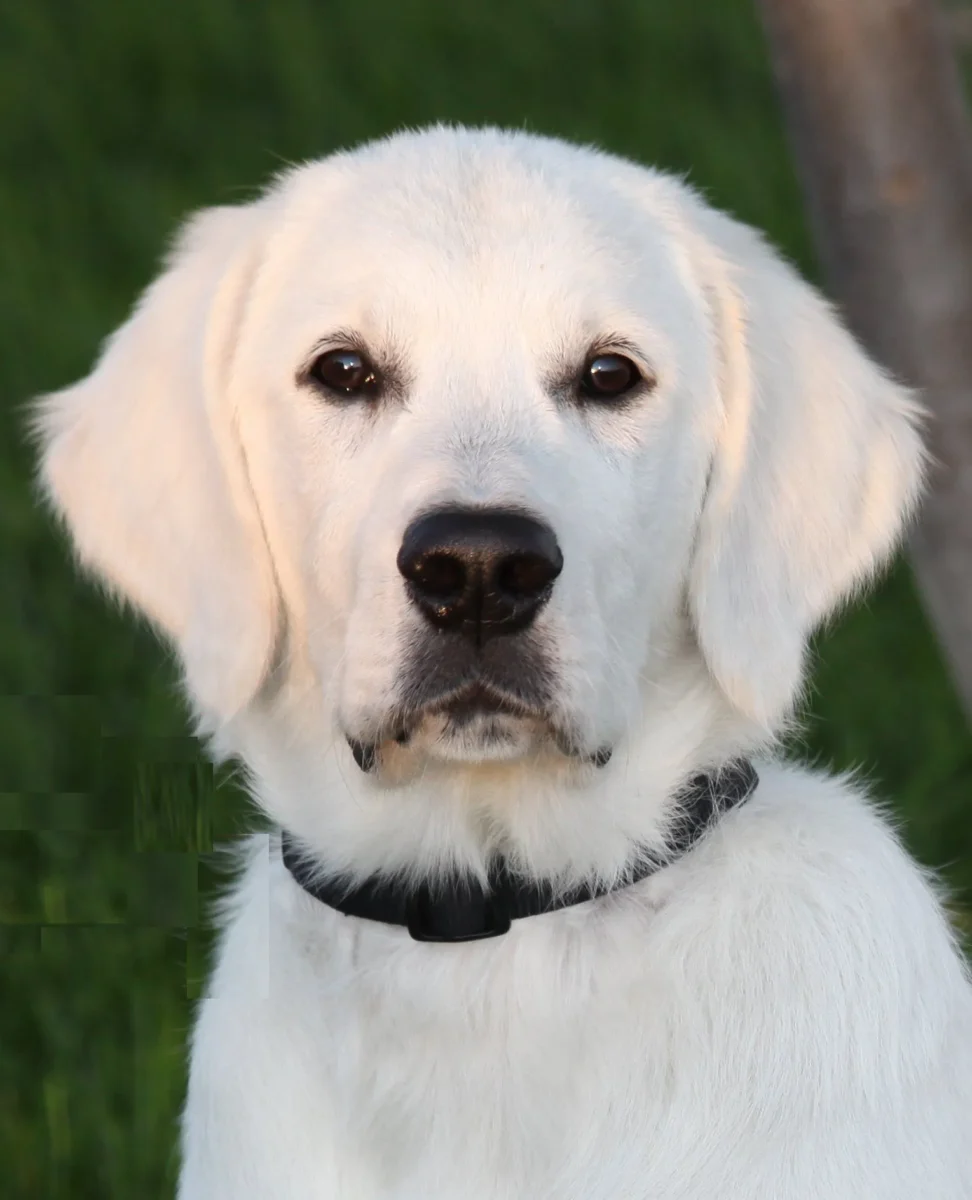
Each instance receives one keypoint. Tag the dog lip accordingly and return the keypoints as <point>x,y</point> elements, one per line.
<point>571,749</point>
<point>461,707</point>
<point>365,754</point>
<point>479,699</point>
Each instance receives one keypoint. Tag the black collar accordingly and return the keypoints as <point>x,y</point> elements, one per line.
<point>461,910</point>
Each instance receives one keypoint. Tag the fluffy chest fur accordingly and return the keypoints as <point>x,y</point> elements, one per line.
<point>754,1021</point>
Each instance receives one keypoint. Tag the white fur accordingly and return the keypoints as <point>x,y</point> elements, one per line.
<point>781,1014</point>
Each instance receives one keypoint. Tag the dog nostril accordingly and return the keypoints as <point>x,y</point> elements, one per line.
<point>524,575</point>
<point>440,576</point>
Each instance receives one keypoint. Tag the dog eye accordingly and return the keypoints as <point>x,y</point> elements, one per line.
<point>608,376</point>
<point>346,372</point>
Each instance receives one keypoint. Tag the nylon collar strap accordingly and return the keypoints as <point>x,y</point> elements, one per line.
<point>461,910</point>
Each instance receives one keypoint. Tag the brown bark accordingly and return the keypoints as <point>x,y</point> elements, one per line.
<point>883,144</point>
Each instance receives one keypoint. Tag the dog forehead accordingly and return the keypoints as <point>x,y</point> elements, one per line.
<point>463,194</point>
<point>429,229</point>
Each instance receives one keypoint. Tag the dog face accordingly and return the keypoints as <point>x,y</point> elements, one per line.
<point>497,514</point>
<point>469,432</point>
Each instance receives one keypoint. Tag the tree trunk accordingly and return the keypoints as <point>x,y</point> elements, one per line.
<point>883,144</point>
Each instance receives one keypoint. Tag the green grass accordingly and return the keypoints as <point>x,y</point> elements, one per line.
<point>115,120</point>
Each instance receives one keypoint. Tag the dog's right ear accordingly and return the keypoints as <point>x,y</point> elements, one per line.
<point>143,462</point>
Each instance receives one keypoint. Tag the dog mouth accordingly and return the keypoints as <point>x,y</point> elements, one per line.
<point>477,712</point>
<point>479,700</point>
<point>456,703</point>
<point>476,720</point>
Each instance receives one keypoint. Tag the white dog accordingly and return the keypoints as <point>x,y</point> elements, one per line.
<point>489,490</point>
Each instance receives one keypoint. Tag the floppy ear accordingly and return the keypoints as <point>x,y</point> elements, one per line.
<point>817,466</point>
<point>143,462</point>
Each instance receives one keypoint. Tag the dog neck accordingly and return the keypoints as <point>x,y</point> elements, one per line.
<point>464,909</point>
<point>547,816</point>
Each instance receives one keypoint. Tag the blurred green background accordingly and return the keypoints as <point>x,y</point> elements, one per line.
<point>115,120</point>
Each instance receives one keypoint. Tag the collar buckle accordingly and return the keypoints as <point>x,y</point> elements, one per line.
<point>467,916</point>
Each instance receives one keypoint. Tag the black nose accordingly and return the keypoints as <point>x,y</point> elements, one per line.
<point>481,572</point>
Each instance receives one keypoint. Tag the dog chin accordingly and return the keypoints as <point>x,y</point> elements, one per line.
<point>483,737</point>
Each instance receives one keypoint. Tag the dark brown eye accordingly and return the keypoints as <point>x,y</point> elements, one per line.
<point>608,376</point>
<point>346,372</point>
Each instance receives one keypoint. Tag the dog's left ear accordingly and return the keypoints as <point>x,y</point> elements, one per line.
<point>143,461</point>
<point>818,465</point>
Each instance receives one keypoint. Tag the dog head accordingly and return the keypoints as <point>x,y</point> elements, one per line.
<point>450,447</point>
